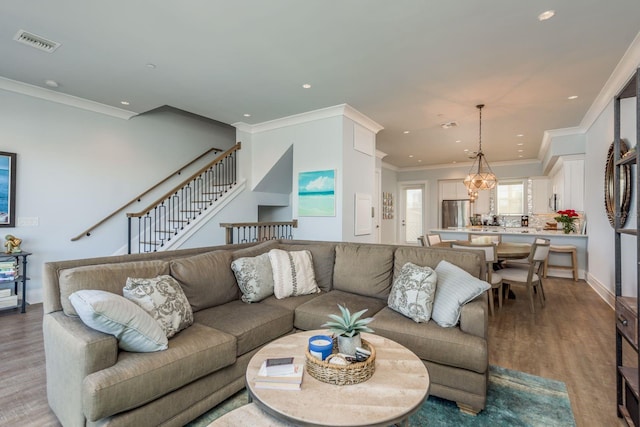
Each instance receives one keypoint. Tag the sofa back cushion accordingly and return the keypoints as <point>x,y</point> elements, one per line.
<point>259,249</point>
<point>470,261</point>
<point>106,277</point>
<point>207,279</point>
<point>323,256</point>
<point>363,269</point>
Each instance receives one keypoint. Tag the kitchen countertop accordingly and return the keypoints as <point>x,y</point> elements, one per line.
<point>506,230</point>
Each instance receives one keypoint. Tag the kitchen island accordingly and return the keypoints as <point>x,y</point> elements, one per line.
<point>528,235</point>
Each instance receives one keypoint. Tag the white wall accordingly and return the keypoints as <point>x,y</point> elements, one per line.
<point>74,167</point>
<point>601,234</point>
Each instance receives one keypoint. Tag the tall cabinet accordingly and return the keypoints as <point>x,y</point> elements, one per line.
<point>627,307</point>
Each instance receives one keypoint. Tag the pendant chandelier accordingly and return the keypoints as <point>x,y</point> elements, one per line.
<point>480,176</point>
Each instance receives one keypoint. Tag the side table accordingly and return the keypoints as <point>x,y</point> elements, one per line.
<point>20,276</point>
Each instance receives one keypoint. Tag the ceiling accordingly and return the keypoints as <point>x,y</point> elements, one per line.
<point>410,65</point>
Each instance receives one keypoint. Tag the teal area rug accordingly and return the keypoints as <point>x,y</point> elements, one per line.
<point>514,399</point>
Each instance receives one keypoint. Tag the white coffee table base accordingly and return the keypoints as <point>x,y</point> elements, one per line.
<point>396,390</point>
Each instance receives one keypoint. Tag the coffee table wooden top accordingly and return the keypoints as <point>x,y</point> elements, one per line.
<point>396,390</point>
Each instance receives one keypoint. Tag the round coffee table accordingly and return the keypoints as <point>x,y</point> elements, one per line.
<point>396,390</point>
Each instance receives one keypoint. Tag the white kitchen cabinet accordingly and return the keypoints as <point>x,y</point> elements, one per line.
<point>541,193</point>
<point>453,190</point>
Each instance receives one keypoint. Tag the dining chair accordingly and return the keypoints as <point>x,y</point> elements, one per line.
<point>422,240</point>
<point>524,262</point>
<point>493,278</point>
<point>433,239</point>
<point>530,277</point>
<point>485,238</point>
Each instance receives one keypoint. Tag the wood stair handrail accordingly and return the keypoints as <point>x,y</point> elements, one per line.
<point>293,223</point>
<point>88,231</point>
<point>184,183</point>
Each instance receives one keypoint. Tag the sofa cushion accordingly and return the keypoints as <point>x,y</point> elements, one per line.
<point>163,298</point>
<point>207,279</point>
<point>323,256</point>
<point>471,261</point>
<point>363,269</point>
<point>255,250</point>
<point>140,378</point>
<point>313,314</point>
<point>413,291</point>
<point>106,277</point>
<point>251,324</point>
<point>112,314</point>
<point>293,273</point>
<point>290,303</point>
<point>254,276</point>
<point>455,288</point>
<point>446,346</point>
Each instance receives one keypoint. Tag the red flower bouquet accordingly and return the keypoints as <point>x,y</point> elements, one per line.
<point>567,217</point>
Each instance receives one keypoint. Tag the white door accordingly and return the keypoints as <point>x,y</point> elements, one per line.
<point>411,213</point>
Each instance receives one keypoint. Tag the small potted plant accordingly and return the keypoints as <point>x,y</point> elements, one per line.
<point>348,327</point>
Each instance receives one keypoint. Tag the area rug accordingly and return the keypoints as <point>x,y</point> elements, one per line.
<point>514,399</point>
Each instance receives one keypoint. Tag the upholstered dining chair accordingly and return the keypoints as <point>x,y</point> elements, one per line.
<point>524,262</point>
<point>493,278</point>
<point>433,239</point>
<point>422,240</point>
<point>530,277</point>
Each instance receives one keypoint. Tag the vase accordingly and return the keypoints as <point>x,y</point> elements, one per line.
<point>568,227</point>
<point>347,345</point>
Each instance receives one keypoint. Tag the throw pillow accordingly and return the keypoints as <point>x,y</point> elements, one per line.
<point>455,288</point>
<point>163,298</point>
<point>413,291</point>
<point>112,314</point>
<point>292,273</point>
<point>254,276</point>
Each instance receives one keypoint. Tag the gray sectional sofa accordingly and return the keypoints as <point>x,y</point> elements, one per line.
<point>91,382</point>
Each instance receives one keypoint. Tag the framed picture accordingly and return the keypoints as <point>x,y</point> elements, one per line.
<point>316,193</point>
<point>7,189</point>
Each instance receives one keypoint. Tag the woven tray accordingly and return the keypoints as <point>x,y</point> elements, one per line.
<point>353,373</point>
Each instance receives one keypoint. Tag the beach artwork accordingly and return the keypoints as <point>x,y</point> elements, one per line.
<point>7,189</point>
<point>316,193</point>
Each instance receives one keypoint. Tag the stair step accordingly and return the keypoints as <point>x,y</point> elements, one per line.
<point>201,201</point>
<point>190,211</point>
<point>150,243</point>
<point>165,232</point>
<point>178,220</point>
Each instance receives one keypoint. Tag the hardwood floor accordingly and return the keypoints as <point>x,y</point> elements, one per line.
<point>571,340</point>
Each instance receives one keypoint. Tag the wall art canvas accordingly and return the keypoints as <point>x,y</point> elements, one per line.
<point>316,193</point>
<point>7,189</point>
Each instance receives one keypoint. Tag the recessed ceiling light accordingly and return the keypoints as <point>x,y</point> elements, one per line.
<point>406,132</point>
<point>124,102</point>
<point>520,151</point>
<point>411,156</point>
<point>458,141</point>
<point>306,86</point>
<point>466,149</point>
<point>51,83</point>
<point>150,65</point>
<point>520,155</point>
<point>520,135</point>
<point>520,143</point>
<point>247,115</point>
<point>454,161</point>
<point>548,14</point>
<point>572,97</point>
<point>420,161</point>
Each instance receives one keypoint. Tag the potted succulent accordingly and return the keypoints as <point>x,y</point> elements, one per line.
<point>347,327</point>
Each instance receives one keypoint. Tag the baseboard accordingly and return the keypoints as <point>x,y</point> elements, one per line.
<point>602,291</point>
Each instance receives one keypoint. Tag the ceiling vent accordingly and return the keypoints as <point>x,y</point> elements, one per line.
<point>448,125</point>
<point>36,41</point>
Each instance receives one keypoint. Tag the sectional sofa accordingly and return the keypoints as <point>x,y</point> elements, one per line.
<point>90,381</point>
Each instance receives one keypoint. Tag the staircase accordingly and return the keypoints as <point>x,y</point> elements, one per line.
<point>171,215</point>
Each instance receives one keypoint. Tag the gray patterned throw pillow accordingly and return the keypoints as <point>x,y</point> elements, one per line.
<point>254,277</point>
<point>413,292</point>
<point>163,298</point>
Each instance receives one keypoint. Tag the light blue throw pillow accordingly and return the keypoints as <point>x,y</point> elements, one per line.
<point>115,315</point>
<point>455,288</point>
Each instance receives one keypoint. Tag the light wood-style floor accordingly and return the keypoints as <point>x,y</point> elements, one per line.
<point>571,340</point>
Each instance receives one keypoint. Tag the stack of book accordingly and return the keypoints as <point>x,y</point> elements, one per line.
<point>280,374</point>
<point>8,271</point>
<point>6,299</point>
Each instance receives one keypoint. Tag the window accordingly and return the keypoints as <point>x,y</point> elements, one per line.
<point>510,198</point>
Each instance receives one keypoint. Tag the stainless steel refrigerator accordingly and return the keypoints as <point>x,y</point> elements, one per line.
<point>456,213</point>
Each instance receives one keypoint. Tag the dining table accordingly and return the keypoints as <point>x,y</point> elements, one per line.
<point>504,250</point>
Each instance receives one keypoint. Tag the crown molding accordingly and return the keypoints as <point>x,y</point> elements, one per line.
<point>63,98</point>
<point>467,165</point>
<point>380,154</point>
<point>310,116</point>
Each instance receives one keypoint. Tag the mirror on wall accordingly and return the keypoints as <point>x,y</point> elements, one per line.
<point>624,186</point>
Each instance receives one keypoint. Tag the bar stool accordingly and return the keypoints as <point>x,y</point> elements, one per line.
<point>564,249</point>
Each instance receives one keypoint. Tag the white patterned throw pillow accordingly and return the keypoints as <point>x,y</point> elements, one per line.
<point>413,291</point>
<point>163,298</point>
<point>455,288</point>
<point>254,276</point>
<point>292,273</point>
